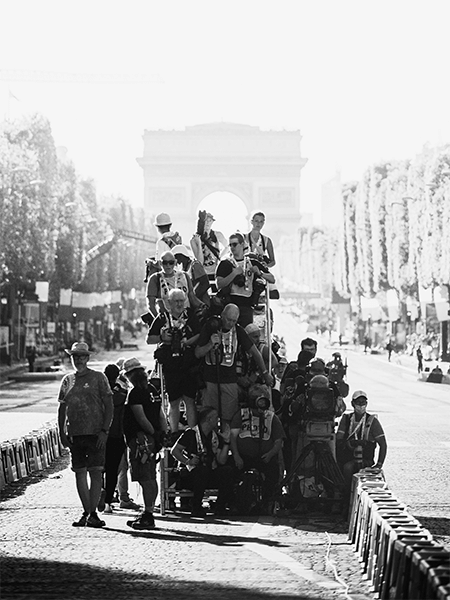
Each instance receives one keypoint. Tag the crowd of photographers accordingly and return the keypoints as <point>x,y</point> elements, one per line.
<point>245,409</point>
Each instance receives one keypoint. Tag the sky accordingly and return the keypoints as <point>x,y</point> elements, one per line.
<point>363,81</point>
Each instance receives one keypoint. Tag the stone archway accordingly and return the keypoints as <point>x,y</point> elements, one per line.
<point>261,167</point>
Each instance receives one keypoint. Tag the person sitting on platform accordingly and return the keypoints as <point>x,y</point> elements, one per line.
<point>358,435</point>
<point>257,438</point>
<point>202,454</point>
<point>436,375</point>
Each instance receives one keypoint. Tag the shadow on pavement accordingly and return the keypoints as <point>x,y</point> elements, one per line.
<point>176,535</point>
<point>41,579</point>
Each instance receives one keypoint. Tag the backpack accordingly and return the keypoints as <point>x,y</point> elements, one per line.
<point>248,493</point>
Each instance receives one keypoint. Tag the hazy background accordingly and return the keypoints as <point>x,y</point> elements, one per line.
<point>363,81</point>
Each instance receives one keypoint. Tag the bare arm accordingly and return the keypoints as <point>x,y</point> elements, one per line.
<point>261,365</point>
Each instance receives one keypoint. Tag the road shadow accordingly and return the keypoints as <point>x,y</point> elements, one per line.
<point>24,578</point>
<point>439,527</point>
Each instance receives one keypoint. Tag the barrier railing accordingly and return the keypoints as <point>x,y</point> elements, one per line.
<point>398,555</point>
<point>33,452</point>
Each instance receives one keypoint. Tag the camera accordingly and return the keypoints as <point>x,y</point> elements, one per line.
<point>147,318</point>
<point>239,280</point>
<point>262,403</point>
<point>176,346</point>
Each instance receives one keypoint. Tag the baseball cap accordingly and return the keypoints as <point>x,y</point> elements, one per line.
<point>252,328</point>
<point>359,394</point>
<point>162,219</point>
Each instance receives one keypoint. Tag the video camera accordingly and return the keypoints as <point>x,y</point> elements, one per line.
<point>319,416</point>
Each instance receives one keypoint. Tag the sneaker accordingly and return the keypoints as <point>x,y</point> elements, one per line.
<point>94,521</point>
<point>129,504</point>
<point>101,502</point>
<point>81,522</point>
<point>108,509</point>
<point>144,521</point>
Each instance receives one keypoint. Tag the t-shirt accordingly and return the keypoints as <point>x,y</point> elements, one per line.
<point>119,397</point>
<point>348,427</point>
<point>152,409</point>
<point>230,340</point>
<point>239,295</point>
<point>210,444</point>
<point>248,441</point>
<point>86,396</point>
<point>189,326</point>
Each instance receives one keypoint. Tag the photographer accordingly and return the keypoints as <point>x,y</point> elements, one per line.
<point>202,455</point>
<point>176,333</point>
<point>208,245</point>
<point>237,278</point>
<point>357,437</point>
<point>257,438</point>
<point>219,342</point>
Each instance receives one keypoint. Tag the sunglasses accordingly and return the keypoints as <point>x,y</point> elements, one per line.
<point>168,262</point>
<point>233,244</point>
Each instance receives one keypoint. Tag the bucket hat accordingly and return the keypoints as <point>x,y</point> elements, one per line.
<point>181,249</point>
<point>131,364</point>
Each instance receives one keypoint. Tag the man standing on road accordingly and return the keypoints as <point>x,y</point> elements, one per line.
<point>84,417</point>
<point>357,437</point>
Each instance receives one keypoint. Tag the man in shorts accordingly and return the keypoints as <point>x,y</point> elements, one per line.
<point>218,344</point>
<point>84,417</point>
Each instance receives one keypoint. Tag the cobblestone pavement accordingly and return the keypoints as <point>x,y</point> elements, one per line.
<point>43,556</point>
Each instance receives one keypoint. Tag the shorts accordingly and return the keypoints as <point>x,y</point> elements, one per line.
<point>85,454</point>
<point>178,384</point>
<point>228,397</point>
<point>140,471</point>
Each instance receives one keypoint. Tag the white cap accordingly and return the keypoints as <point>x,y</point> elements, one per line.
<point>162,219</point>
<point>180,249</point>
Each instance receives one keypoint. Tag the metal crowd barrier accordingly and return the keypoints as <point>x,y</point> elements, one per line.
<point>33,452</point>
<point>398,556</point>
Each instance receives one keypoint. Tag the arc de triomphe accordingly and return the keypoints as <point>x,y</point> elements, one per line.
<point>262,168</point>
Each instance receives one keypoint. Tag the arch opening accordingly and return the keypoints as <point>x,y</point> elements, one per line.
<point>229,211</point>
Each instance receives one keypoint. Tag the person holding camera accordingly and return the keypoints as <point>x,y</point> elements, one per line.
<point>240,276</point>
<point>176,332</point>
<point>202,454</point>
<point>357,438</point>
<point>257,437</point>
<point>208,245</point>
<point>220,342</point>
<point>161,282</point>
<point>144,424</point>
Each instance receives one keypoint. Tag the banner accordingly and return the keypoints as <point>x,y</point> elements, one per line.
<point>441,301</point>
<point>42,291</point>
<point>65,297</point>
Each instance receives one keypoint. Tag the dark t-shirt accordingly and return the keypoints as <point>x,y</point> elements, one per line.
<point>227,352</point>
<point>152,411</point>
<point>189,326</point>
<point>224,268</point>
<point>189,441</point>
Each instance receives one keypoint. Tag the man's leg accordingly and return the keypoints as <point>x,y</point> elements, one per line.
<point>95,488</point>
<point>122,478</point>
<point>149,492</point>
<point>83,490</point>
<point>174,414</point>
<point>191,411</point>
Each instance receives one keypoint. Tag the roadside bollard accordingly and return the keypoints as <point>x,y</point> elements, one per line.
<point>33,453</point>
<point>9,460</point>
<point>20,454</point>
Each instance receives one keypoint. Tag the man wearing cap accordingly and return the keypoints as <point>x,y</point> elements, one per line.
<point>168,239</point>
<point>160,284</point>
<point>358,435</point>
<point>195,270</point>
<point>208,247</point>
<point>84,417</point>
<point>143,425</point>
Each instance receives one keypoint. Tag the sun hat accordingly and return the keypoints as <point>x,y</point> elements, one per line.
<point>209,216</point>
<point>359,394</point>
<point>162,219</point>
<point>131,364</point>
<point>78,348</point>
<point>180,249</point>
<point>252,328</point>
